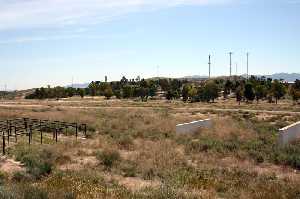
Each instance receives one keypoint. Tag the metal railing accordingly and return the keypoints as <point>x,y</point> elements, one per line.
<point>14,128</point>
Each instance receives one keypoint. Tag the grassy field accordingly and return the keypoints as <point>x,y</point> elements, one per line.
<point>132,151</point>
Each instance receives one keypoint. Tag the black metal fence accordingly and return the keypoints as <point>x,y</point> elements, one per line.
<point>11,130</point>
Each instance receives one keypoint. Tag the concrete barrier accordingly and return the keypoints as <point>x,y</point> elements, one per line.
<point>289,134</point>
<point>192,127</point>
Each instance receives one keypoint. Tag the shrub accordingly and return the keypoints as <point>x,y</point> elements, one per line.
<point>125,141</point>
<point>20,176</point>
<point>129,169</point>
<point>39,162</point>
<point>108,158</point>
<point>2,178</point>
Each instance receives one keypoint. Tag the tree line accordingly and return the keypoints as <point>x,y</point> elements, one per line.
<point>253,89</point>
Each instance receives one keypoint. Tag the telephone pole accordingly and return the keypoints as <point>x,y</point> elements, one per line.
<point>230,54</point>
<point>247,65</point>
<point>209,66</point>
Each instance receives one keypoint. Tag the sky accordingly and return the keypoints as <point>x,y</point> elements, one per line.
<point>51,42</point>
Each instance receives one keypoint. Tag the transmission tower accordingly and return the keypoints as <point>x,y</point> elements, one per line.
<point>209,66</point>
<point>230,55</point>
<point>247,65</point>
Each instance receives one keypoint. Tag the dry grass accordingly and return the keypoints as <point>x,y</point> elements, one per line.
<point>154,162</point>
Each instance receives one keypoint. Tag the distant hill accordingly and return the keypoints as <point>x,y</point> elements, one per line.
<point>289,77</point>
<point>83,85</point>
<point>195,77</point>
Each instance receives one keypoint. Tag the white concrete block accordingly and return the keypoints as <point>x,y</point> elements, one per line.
<point>192,127</point>
<point>289,134</point>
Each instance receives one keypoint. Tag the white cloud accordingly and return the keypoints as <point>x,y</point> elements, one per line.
<point>23,14</point>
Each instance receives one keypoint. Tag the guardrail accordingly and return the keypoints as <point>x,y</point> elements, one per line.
<point>12,128</point>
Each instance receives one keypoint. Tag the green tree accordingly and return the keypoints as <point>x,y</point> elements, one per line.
<point>210,92</point>
<point>94,88</point>
<point>127,91</point>
<point>248,92</point>
<point>294,91</point>
<point>82,93</point>
<point>108,92</point>
<point>278,90</point>
<point>185,92</point>
<point>227,88</point>
<point>239,94</point>
<point>260,92</point>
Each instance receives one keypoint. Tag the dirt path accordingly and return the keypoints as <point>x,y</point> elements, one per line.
<point>149,107</point>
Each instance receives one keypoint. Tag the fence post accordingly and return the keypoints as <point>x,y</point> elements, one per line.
<point>29,136</point>
<point>3,144</point>
<point>41,131</point>
<point>16,139</point>
<point>76,131</point>
<point>8,127</point>
<point>55,135</point>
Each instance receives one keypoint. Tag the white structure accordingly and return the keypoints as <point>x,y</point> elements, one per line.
<point>192,127</point>
<point>289,134</point>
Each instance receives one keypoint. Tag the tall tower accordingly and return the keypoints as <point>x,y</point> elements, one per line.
<point>230,54</point>
<point>247,65</point>
<point>209,66</point>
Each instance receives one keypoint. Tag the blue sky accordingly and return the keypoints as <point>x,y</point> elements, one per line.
<point>50,41</point>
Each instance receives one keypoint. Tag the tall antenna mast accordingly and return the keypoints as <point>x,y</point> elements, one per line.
<point>209,66</point>
<point>230,54</point>
<point>247,65</point>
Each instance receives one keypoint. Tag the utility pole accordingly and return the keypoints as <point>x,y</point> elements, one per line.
<point>247,65</point>
<point>236,69</point>
<point>72,82</point>
<point>209,66</point>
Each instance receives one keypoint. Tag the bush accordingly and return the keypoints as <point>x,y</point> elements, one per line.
<point>129,169</point>
<point>2,178</point>
<point>20,176</point>
<point>39,162</point>
<point>108,158</point>
<point>125,141</point>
